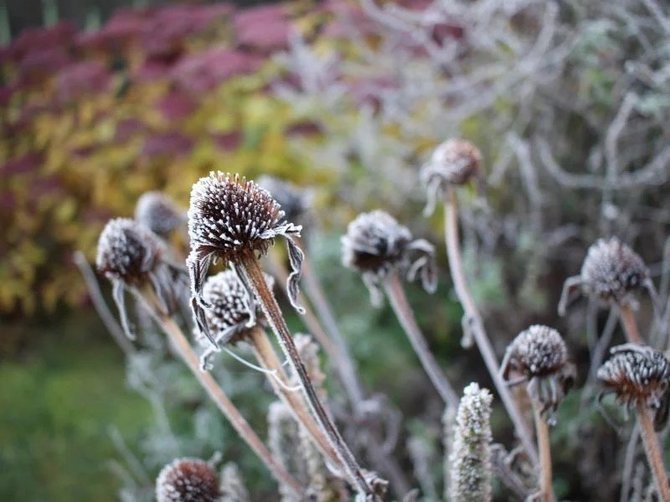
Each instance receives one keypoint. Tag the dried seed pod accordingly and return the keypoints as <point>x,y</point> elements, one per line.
<point>294,201</point>
<point>454,162</point>
<point>611,273</point>
<point>188,480</point>
<point>539,356</point>
<point>132,257</point>
<point>638,374</point>
<point>233,219</point>
<point>376,245</point>
<point>158,213</point>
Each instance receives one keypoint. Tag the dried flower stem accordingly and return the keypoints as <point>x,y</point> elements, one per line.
<point>216,393</point>
<point>630,324</point>
<point>403,311</point>
<point>653,450</point>
<point>254,275</point>
<point>268,359</point>
<point>477,326</point>
<point>544,446</point>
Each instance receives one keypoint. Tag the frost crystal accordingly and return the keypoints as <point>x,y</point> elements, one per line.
<point>376,245</point>
<point>471,457</point>
<point>187,480</point>
<point>638,374</point>
<point>158,213</point>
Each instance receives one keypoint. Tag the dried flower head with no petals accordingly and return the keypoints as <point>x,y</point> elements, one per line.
<point>539,356</point>
<point>293,200</point>
<point>612,272</point>
<point>638,374</point>
<point>454,162</point>
<point>376,245</point>
<point>132,257</point>
<point>187,480</point>
<point>158,213</point>
<point>233,219</point>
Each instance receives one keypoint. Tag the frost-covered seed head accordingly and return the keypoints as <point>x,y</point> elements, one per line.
<point>229,216</point>
<point>471,457</point>
<point>612,271</point>
<point>453,162</point>
<point>187,480</point>
<point>292,200</point>
<point>538,351</point>
<point>374,242</point>
<point>127,251</point>
<point>638,374</point>
<point>158,213</point>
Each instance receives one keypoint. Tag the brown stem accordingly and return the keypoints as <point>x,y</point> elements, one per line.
<point>224,404</point>
<point>653,450</point>
<point>403,312</point>
<point>629,324</point>
<point>477,326</point>
<point>542,430</point>
<point>268,359</point>
<point>254,274</point>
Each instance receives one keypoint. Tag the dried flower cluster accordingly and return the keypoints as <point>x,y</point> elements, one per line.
<point>188,480</point>
<point>376,245</point>
<point>638,374</point>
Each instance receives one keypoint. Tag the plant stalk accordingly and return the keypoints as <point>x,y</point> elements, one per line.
<point>629,324</point>
<point>254,275</point>
<point>403,312</point>
<point>653,450</point>
<point>216,393</point>
<point>544,446</point>
<point>268,359</point>
<point>477,326</point>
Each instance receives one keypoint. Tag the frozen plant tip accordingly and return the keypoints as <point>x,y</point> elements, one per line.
<point>454,162</point>
<point>377,245</point>
<point>158,213</point>
<point>232,485</point>
<point>539,357</point>
<point>133,258</point>
<point>234,220</point>
<point>470,459</point>
<point>188,480</point>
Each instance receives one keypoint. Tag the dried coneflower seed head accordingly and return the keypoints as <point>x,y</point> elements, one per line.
<point>127,251</point>
<point>158,213</point>
<point>292,200</point>
<point>612,271</point>
<point>638,374</point>
<point>454,162</point>
<point>187,480</point>
<point>234,220</point>
<point>539,357</point>
<point>376,244</point>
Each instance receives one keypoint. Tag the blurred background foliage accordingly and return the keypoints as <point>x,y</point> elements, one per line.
<point>568,102</point>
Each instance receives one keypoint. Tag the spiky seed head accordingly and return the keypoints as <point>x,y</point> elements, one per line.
<point>158,213</point>
<point>454,162</point>
<point>538,351</point>
<point>374,242</point>
<point>229,216</point>
<point>127,251</point>
<point>187,480</point>
<point>471,456</point>
<point>292,200</point>
<point>612,271</point>
<point>638,374</point>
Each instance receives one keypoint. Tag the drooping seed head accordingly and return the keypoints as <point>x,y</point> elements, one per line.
<point>539,356</point>
<point>454,162</point>
<point>292,200</point>
<point>187,480</point>
<point>376,244</point>
<point>127,251</point>
<point>612,271</point>
<point>158,213</point>
<point>638,374</point>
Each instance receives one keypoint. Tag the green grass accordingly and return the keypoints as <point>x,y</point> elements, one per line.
<point>57,404</point>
